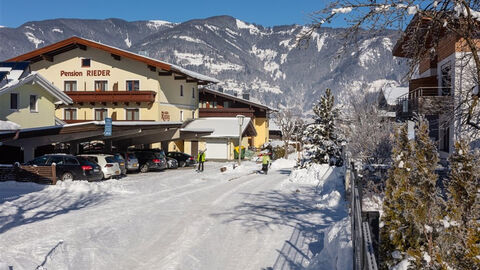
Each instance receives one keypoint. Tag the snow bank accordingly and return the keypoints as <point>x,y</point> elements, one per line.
<point>337,248</point>
<point>315,174</point>
<point>282,163</point>
<point>4,266</point>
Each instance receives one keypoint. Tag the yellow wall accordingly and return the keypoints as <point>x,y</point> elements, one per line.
<point>45,115</point>
<point>261,126</point>
<point>167,88</point>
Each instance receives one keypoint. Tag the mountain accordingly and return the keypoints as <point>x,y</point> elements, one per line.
<point>263,61</point>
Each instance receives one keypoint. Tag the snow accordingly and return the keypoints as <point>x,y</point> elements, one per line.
<point>412,10</point>
<point>8,126</point>
<point>207,61</point>
<point>342,10</point>
<point>224,127</point>
<point>31,37</point>
<point>57,30</point>
<point>180,219</point>
<point>251,28</point>
<point>403,265</point>
<point>397,255</point>
<point>2,26</point>
<point>128,42</point>
<point>155,24</point>
<point>427,257</point>
<point>391,94</point>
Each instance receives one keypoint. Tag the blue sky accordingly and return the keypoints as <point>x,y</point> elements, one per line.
<point>14,13</point>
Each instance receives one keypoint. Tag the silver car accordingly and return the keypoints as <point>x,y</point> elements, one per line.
<point>132,161</point>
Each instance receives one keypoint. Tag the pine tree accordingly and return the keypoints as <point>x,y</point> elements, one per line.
<point>461,236</point>
<point>423,207</point>
<point>397,233</point>
<point>322,144</point>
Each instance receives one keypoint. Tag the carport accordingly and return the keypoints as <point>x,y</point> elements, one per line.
<point>124,134</point>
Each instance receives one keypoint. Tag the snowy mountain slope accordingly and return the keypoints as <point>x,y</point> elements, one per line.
<point>245,57</point>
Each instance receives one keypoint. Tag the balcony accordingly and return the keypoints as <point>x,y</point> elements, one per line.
<point>225,112</point>
<point>111,96</point>
<point>82,121</point>
<point>426,101</point>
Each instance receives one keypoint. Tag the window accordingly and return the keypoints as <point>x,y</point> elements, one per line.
<point>446,81</point>
<point>100,114</point>
<point>181,115</point>
<point>132,114</point>
<point>70,86</point>
<point>133,85</point>
<point>86,62</point>
<point>70,114</point>
<point>214,104</point>
<point>70,161</point>
<point>14,101</point>
<point>193,92</point>
<point>181,90</point>
<point>33,103</point>
<point>101,85</point>
<point>226,104</point>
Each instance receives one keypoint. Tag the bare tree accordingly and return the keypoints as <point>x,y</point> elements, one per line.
<point>288,121</point>
<point>431,22</point>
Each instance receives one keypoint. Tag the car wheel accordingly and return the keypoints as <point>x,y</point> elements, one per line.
<point>144,168</point>
<point>67,176</point>
<point>182,164</point>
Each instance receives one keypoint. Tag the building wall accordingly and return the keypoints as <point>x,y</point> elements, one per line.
<point>261,126</point>
<point>45,114</point>
<point>168,99</point>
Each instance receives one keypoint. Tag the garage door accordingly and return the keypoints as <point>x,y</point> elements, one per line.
<point>217,149</point>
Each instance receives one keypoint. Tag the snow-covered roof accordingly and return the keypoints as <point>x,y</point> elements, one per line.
<point>8,126</point>
<point>14,79</point>
<point>224,127</point>
<point>392,93</point>
<point>246,101</point>
<point>273,126</point>
<point>91,43</point>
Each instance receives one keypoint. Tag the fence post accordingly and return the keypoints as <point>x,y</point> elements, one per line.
<point>54,174</point>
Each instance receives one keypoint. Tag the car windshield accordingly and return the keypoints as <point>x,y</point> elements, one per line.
<point>119,157</point>
<point>160,154</point>
<point>131,155</point>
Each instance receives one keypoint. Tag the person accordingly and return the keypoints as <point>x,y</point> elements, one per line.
<point>201,160</point>
<point>265,162</point>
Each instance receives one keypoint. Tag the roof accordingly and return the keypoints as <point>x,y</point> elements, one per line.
<point>8,126</point>
<point>224,127</point>
<point>77,42</point>
<point>391,94</point>
<point>18,77</point>
<point>237,99</point>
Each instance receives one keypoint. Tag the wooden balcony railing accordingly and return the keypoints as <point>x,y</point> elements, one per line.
<point>111,96</point>
<point>425,100</point>
<point>223,112</point>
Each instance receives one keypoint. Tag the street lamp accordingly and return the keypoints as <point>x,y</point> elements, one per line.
<point>240,119</point>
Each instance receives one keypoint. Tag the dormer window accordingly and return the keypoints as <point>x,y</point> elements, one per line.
<point>86,62</point>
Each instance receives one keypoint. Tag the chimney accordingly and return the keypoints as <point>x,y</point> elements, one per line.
<point>220,89</point>
<point>246,96</point>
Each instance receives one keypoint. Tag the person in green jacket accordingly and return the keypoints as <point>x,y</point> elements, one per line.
<point>201,160</point>
<point>265,162</point>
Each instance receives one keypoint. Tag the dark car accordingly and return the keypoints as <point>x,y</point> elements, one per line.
<point>121,162</point>
<point>70,167</point>
<point>182,158</point>
<point>150,160</point>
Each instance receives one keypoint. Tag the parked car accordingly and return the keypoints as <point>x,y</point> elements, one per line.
<point>172,163</point>
<point>132,161</point>
<point>108,163</point>
<point>150,160</point>
<point>121,162</point>
<point>182,158</point>
<point>69,167</point>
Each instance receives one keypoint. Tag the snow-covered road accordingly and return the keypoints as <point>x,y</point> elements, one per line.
<point>176,219</point>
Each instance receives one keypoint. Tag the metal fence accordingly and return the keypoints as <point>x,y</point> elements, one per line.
<point>363,249</point>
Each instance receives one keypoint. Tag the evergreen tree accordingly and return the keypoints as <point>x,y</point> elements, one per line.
<point>461,236</point>
<point>424,203</point>
<point>322,144</point>
<point>397,234</point>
